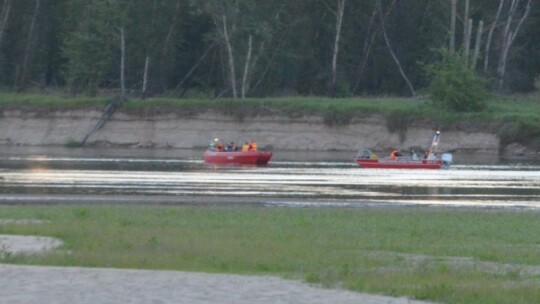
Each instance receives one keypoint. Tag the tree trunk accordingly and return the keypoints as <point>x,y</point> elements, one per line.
<point>453,26</point>
<point>339,22</point>
<point>502,64</point>
<point>368,42</point>
<point>396,60</point>
<point>161,63</point>
<point>246,67</point>
<point>232,73</point>
<point>165,48</point>
<point>194,67</point>
<point>509,37</point>
<point>505,39</point>
<point>467,43</point>
<point>22,80</point>
<point>122,63</point>
<point>477,44</point>
<point>145,76</point>
<point>4,17</point>
<point>465,29</point>
<point>490,35</point>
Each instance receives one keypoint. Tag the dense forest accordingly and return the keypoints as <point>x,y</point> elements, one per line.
<point>261,48</point>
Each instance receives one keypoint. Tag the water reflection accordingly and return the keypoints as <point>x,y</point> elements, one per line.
<point>283,182</point>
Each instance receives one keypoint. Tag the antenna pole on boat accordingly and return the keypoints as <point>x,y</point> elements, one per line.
<point>434,144</point>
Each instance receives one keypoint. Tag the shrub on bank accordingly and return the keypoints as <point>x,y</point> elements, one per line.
<point>454,85</point>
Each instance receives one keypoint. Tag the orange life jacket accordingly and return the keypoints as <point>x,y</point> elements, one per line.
<point>253,146</point>
<point>245,147</point>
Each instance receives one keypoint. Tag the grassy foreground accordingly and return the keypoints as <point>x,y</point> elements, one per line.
<point>447,256</point>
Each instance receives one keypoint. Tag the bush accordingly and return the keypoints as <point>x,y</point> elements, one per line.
<point>456,86</point>
<point>72,143</point>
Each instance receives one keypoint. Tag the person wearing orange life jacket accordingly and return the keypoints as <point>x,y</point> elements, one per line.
<point>253,146</point>
<point>245,147</point>
<point>395,154</point>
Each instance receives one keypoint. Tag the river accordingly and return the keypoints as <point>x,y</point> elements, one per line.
<point>294,179</point>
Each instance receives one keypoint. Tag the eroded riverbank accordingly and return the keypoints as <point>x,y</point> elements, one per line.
<point>273,132</point>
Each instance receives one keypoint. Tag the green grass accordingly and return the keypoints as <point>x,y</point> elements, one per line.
<point>499,108</point>
<point>54,101</point>
<point>402,252</point>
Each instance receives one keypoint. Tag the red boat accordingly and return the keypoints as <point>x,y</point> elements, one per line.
<point>400,163</point>
<point>366,159</point>
<point>237,157</point>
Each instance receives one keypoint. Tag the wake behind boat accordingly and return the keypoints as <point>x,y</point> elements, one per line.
<point>367,159</point>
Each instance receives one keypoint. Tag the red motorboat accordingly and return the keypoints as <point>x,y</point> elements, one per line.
<point>258,158</point>
<point>366,159</point>
<point>400,163</point>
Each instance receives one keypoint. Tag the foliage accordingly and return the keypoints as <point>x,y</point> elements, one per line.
<point>89,49</point>
<point>455,85</point>
<point>72,143</point>
<point>440,255</point>
<point>75,46</point>
<point>519,131</point>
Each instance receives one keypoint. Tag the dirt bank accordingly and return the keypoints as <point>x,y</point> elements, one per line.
<point>56,128</point>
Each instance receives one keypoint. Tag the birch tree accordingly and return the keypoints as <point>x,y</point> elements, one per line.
<point>338,12</point>
<point>509,35</point>
<point>453,15</point>
<point>239,24</point>
<point>394,56</point>
<point>490,35</point>
<point>477,43</point>
<point>21,80</point>
<point>4,17</point>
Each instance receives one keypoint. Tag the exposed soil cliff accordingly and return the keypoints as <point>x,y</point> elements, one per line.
<point>24,127</point>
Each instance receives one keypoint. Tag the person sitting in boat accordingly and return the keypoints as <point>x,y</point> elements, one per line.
<point>414,155</point>
<point>395,154</point>
<point>245,147</point>
<point>231,147</point>
<point>253,146</point>
<point>212,147</point>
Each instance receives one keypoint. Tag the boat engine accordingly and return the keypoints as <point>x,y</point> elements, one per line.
<point>446,159</point>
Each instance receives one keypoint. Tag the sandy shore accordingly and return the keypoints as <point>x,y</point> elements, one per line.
<point>41,284</point>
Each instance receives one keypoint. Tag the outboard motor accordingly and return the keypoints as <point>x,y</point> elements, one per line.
<point>446,159</point>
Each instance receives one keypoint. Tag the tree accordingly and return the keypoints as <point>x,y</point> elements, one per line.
<point>249,48</point>
<point>4,17</point>
<point>338,12</point>
<point>396,60</point>
<point>21,80</point>
<point>454,85</point>
<point>90,48</point>
<point>509,35</point>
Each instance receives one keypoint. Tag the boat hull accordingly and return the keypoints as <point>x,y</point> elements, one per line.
<point>237,158</point>
<point>399,164</point>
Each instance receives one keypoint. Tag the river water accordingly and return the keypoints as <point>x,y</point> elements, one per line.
<point>152,176</point>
